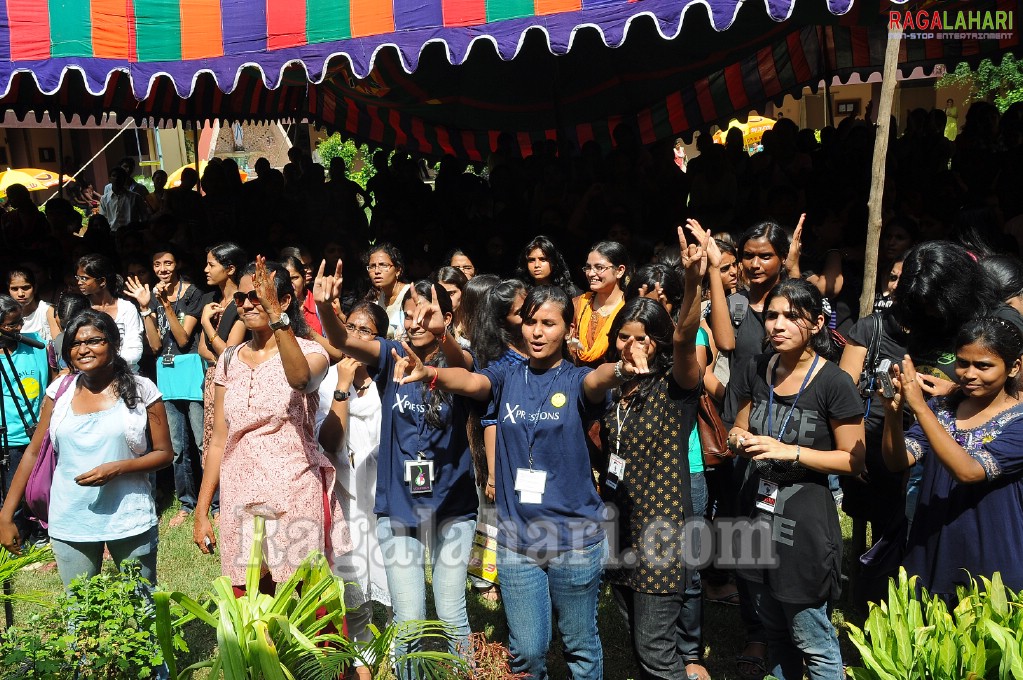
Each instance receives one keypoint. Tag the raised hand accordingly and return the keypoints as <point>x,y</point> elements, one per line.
<point>428,314</point>
<point>136,289</point>
<point>211,312</point>
<point>909,385</point>
<point>704,238</point>
<point>408,368</point>
<point>795,249</point>
<point>162,291</point>
<point>694,261</point>
<point>346,369</point>
<point>326,287</point>
<point>634,358</point>
<point>266,288</point>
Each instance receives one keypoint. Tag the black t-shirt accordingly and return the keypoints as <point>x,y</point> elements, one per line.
<point>749,342</point>
<point>188,304</point>
<point>804,530</point>
<point>227,318</point>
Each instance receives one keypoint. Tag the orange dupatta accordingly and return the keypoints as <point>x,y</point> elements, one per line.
<point>583,315</point>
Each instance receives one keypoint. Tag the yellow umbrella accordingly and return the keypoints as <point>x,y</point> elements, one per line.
<point>17,177</point>
<point>174,178</point>
<point>48,178</point>
<point>752,130</point>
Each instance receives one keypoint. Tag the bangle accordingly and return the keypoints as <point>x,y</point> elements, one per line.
<point>364,386</point>
<point>797,453</point>
<point>433,383</point>
<point>146,312</point>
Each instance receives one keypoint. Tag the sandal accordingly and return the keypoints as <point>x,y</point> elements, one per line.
<point>731,599</point>
<point>752,666</point>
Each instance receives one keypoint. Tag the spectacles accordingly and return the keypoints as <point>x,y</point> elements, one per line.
<point>240,297</point>
<point>83,279</point>
<point>380,266</point>
<point>91,343</point>
<point>360,330</point>
<point>599,268</point>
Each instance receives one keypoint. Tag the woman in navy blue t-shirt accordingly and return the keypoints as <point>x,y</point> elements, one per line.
<point>551,545</point>
<point>426,494</point>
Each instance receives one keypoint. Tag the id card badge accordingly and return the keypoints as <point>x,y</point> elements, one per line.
<point>168,360</point>
<point>615,471</point>
<point>419,474</point>
<point>767,495</point>
<point>530,484</point>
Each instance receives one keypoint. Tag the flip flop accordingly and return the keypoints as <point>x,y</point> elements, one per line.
<point>731,599</point>
<point>745,662</point>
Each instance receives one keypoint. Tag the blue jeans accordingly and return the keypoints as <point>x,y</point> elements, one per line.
<point>798,633</point>
<point>85,559</point>
<point>570,583</point>
<point>404,558</point>
<point>184,418</point>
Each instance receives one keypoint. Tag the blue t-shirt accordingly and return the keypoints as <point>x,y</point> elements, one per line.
<point>34,372</point>
<point>404,434</point>
<point>548,409</point>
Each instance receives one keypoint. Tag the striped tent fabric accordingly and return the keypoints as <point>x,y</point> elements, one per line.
<point>450,76</point>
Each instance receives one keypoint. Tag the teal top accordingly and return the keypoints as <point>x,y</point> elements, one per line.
<point>695,450</point>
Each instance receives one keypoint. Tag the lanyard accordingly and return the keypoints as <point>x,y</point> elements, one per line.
<point>620,422</point>
<point>531,432</point>
<point>770,400</point>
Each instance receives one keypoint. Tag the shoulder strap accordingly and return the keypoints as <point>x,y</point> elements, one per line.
<point>228,354</point>
<point>64,384</point>
<point>874,349</point>
<point>738,306</point>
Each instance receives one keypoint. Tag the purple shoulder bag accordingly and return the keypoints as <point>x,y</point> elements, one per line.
<point>37,490</point>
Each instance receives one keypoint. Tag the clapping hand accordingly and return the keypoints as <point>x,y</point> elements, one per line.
<point>326,287</point>
<point>908,388</point>
<point>408,368</point>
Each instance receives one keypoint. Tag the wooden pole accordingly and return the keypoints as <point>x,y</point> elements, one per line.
<point>874,203</point>
<point>60,154</point>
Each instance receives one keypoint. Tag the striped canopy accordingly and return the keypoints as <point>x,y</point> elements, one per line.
<point>446,76</point>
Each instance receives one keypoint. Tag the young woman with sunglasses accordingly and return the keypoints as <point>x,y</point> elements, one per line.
<point>425,492</point>
<point>264,455</point>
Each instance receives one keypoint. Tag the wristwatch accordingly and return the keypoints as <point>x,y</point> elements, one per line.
<point>340,395</point>
<point>281,323</point>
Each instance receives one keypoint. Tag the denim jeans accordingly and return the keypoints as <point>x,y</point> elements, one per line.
<point>404,557</point>
<point>798,633</point>
<point>570,583</point>
<point>184,418</point>
<point>85,559</point>
<point>21,521</point>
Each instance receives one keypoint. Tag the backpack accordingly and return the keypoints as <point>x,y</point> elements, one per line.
<point>868,376</point>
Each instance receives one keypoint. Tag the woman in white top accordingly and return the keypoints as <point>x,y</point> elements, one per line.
<point>100,424</point>
<point>21,285</point>
<point>348,420</point>
<point>385,266</point>
<point>99,281</point>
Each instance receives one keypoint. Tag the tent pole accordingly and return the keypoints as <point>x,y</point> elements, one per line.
<point>874,203</point>
<point>195,141</point>
<point>829,112</point>
<point>60,154</point>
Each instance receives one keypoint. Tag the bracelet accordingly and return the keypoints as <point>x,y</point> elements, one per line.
<point>362,388</point>
<point>145,313</point>
<point>797,453</point>
<point>433,383</point>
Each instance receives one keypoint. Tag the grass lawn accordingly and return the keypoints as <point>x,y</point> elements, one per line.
<point>182,567</point>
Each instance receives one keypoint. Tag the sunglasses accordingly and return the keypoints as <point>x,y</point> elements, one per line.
<point>239,298</point>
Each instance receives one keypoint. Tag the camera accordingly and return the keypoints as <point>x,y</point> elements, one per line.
<point>883,379</point>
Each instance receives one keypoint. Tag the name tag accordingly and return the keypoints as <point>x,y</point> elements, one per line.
<point>767,495</point>
<point>530,484</point>
<point>615,471</point>
<point>419,476</point>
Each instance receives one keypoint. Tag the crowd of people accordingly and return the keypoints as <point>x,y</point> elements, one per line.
<point>382,388</point>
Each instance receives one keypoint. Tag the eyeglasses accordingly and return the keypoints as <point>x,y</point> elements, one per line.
<point>91,343</point>
<point>240,297</point>
<point>360,330</point>
<point>379,266</point>
<point>83,279</point>
<point>599,268</point>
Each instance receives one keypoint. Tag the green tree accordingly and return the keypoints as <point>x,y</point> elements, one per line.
<point>334,146</point>
<point>1003,83</point>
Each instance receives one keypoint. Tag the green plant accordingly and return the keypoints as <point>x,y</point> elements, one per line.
<point>913,636</point>
<point>103,627</point>
<point>286,635</point>
<point>11,564</point>
<point>334,147</point>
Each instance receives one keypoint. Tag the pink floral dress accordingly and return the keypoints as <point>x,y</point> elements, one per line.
<point>272,467</point>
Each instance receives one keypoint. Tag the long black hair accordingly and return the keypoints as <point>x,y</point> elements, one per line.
<point>775,234</point>
<point>617,255</point>
<point>1000,336</point>
<point>940,289</point>
<point>227,254</point>
<point>560,276</point>
<point>659,328</point>
<point>433,398</point>
<point>650,275</point>
<point>1005,275</point>
<point>124,380</point>
<point>806,301</point>
<point>282,282</point>
<point>492,335</point>
<point>472,297</point>
<point>102,267</point>
<point>69,305</point>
